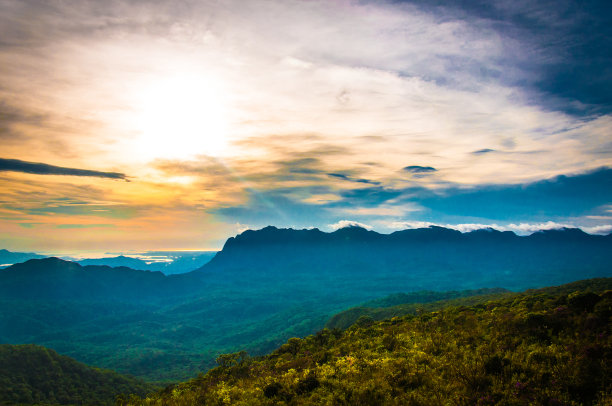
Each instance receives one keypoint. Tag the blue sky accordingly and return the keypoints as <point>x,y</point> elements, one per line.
<point>156,125</point>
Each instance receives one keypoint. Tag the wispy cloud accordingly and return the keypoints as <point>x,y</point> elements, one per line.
<point>16,165</point>
<point>483,151</point>
<point>419,169</point>
<point>463,113</point>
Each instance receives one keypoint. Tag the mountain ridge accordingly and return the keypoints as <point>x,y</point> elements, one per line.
<point>272,234</point>
<point>266,286</point>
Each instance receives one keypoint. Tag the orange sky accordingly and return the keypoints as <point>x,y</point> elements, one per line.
<point>227,115</point>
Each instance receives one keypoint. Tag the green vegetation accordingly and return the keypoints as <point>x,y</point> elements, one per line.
<point>269,285</point>
<point>401,304</point>
<point>30,374</point>
<point>549,346</point>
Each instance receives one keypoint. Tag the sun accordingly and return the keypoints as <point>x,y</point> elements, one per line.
<point>180,117</point>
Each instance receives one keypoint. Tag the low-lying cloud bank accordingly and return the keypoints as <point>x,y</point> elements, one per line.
<point>520,229</point>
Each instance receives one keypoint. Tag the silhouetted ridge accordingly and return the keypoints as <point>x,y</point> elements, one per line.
<point>117,261</point>
<point>429,234</point>
<point>562,234</point>
<point>272,236</point>
<point>354,233</point>
<point>423,258</point>
<point>8,257</point>
<point>54,278</point>
<point>490,235</point>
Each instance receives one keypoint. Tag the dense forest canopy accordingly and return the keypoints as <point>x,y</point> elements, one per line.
<point>548,347</point>
<point>31,374</point>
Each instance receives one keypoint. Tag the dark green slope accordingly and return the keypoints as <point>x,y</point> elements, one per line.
<point>30,374</point>
<point>53,279</point>
<point>548,346</point>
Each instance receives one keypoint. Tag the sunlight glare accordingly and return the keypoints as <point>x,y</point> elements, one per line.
<point>181,117</point>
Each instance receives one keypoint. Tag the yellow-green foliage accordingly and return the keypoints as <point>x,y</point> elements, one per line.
<point>546,347</point>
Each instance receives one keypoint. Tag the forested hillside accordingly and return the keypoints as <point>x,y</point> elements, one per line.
<point>30,374</point>
<point>267,286</point>
<point>548,347</point>
<point>401,304</point>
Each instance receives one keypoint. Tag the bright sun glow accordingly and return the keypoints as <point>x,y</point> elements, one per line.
<point>181,117</point>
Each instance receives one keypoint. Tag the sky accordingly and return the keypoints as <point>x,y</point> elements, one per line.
<point>156,124</point>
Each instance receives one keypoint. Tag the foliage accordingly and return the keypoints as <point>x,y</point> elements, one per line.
<point>401,304</point>
<point>545,347</point>
<point>267,286</point>
<point>31,374</point>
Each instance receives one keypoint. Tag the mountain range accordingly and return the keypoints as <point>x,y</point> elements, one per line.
<point>266,286</point>
<point>8,258</point>
<point>175,262</point>
<point>167,262</point>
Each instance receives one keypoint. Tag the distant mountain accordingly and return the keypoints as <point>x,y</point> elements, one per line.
<point>8,258</point>
<point>178,262</point>
<point>31,374</point>
<point>119,261</point>
<point>56,279</point>
<point>418,259</point>
<point>266,286</point>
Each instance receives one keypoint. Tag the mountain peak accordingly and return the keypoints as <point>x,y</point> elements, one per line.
<point>561,234</point>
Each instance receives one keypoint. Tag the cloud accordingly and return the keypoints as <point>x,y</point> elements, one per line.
<point>11,118</point>
<point>601,229</point>
<point>419,169</point>
<point>348,223</point>
<point>15,165</point>
<point>348,178</point>
<point>338,175</point>
<point>564,195</point>
<point>533,227</point>
<point>381,211</point>
<point>520,229</point>
<point>84,225</point>
<point>368,197</point>
<point>324,106</point>
<point>483,151</point>
<point>463,227</point>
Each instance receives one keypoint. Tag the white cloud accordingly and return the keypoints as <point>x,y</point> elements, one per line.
<point>466,228</point>
<point>389,85</point>
<point>521,228</point>
<point>602,229</point>
<point>348,223</point>
<point>403,225</point>
<point>240,228</point>
<point>533,227</point>
<point>338,69</point>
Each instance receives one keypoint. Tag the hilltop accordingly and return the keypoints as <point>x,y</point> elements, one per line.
<point>31,374</point>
